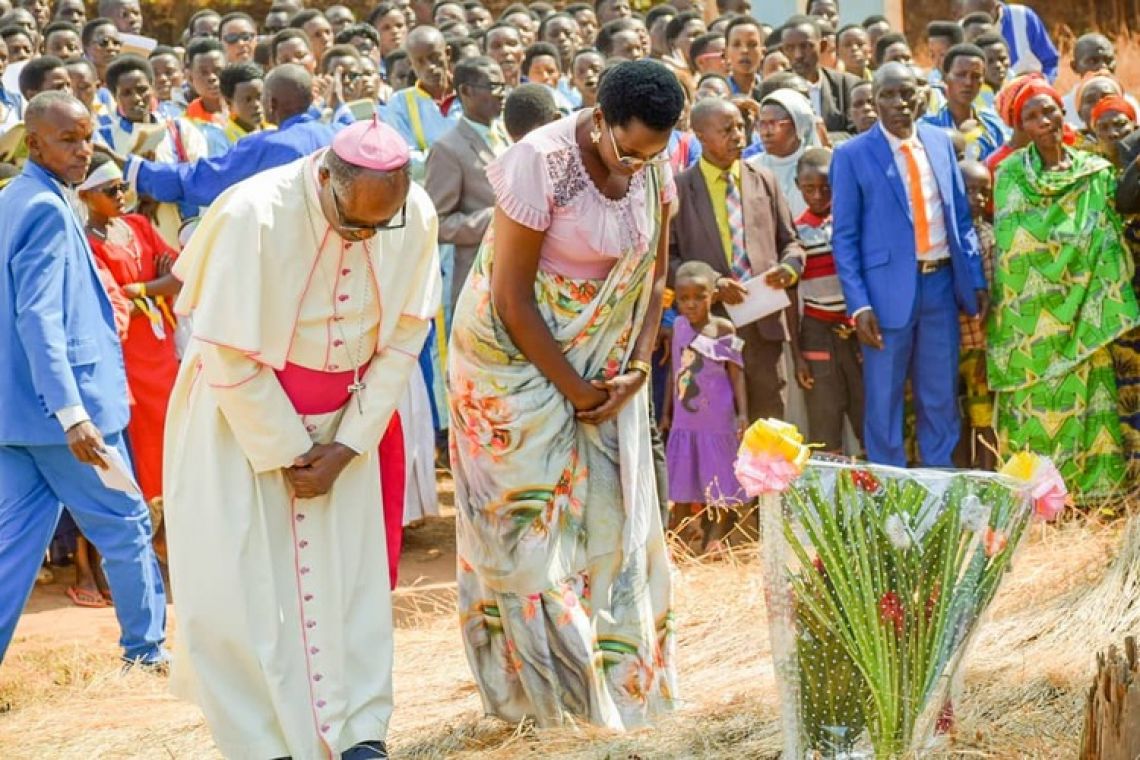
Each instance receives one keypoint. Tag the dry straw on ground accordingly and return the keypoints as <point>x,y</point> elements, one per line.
<point>1025,677</point>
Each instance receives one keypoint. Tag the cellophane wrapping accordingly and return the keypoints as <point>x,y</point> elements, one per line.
<point>876,580</point>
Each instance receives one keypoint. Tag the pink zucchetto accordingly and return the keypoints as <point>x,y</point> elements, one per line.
<point>371,145</point>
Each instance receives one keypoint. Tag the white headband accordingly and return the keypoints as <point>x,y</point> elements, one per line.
<point>108,172</point>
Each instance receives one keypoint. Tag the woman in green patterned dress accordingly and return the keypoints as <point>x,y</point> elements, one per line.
<point>564,579</point>
<point>1062,294</point>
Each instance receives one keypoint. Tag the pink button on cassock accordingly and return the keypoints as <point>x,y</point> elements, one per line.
<point>342,297</point>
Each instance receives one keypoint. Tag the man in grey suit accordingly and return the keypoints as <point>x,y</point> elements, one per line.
<point>732,216</point>
<point>456,177</point>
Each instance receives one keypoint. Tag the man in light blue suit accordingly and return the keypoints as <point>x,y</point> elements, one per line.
<point>63,389</point>
<point>908,260</point>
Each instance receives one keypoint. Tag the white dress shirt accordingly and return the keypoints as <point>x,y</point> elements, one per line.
<point>816,96</point>
<point>939,243</point>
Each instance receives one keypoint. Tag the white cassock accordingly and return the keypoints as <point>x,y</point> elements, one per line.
<point>283,608</point>
<point>421,498</point>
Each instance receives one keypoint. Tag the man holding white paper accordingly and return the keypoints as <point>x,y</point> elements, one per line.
<point>63,389</point>
<point>733,217</point>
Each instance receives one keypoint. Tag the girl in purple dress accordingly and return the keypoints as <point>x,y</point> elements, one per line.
<point>705,409</point>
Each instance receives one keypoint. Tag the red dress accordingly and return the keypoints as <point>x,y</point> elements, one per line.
<point>129,254</point>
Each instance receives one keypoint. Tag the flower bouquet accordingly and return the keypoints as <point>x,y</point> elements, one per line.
<point>876,579</point>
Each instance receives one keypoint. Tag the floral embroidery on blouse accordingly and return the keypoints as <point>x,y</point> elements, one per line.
<point>567,175</point>
<point>569,179</point>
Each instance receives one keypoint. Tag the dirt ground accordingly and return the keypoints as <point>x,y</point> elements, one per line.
<point>62,694</point>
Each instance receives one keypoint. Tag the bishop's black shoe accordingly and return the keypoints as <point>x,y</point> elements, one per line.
<point>376,750</point>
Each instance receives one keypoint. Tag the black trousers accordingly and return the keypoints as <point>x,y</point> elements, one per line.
<point>837,367</point>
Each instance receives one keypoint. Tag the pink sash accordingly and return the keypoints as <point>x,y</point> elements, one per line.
<point>314,392</point>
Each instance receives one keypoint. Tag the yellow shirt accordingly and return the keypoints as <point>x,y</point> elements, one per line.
<point>714,179</point>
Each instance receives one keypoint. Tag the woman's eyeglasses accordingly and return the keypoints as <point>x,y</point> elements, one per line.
<point>632,162</point>
<point>235,37</point>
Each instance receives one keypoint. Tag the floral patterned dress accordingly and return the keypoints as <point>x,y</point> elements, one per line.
<point>564,579</point>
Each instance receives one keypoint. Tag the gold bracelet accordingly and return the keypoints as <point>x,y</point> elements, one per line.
<point>637,365</point>
<point>142,290</point>
<point>792,271</point>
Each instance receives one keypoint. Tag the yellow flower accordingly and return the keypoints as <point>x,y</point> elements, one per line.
<point>1021,466</point>
<point>778,438</point>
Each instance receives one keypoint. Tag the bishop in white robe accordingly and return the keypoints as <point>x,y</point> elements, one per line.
<point>307,324</point>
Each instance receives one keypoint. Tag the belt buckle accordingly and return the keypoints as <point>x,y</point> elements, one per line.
<point>929,267</point>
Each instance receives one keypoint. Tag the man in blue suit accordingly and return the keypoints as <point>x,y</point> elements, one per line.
<point>63,389</point>
<point>908,260</point>
<point>288,102</point>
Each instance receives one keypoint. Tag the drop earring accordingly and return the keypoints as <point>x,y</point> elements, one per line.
<point>596,135</point>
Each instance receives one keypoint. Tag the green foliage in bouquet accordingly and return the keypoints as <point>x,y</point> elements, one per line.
<point>893,573</point>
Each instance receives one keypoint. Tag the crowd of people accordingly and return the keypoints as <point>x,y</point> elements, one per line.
<point>257,265</point>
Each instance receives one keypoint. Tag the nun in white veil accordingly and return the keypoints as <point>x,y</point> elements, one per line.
<point>785,142</point>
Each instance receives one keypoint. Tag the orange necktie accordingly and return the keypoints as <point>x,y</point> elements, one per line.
<point>917,200</point>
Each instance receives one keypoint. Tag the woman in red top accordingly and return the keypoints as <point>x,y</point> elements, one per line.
<point>130,248</point>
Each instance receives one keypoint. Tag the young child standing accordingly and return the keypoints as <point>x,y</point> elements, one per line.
<point>705,408</point>
<point>978,400</point>
<point>829,365</point>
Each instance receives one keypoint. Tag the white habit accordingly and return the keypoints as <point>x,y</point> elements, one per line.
<point>284,621</point>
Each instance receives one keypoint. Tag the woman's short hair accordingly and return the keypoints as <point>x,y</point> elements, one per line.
<point>236,74</point>
<point>123,65</point>
<point>644,90</point>
<point>538,50</point>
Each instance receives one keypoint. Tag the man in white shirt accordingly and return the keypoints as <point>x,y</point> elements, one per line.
<point>63,389</point>
<point>908,259</point>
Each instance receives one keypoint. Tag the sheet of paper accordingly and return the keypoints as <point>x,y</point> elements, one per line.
<point>761,301</point>
<point>11,77</point>
<point>136,44</point>
<point>10,142</point>
<point>147,138</point>
<point>118,475</point>
<point>362,109</point>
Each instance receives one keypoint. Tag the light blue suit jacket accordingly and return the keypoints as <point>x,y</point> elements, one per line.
<point>58,345</point>
<point>874,239</point>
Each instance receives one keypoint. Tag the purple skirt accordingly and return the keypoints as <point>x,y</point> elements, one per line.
<point>700,468</point>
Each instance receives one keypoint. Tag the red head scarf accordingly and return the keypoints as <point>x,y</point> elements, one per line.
<point>1003,103</point>
<point>1030,91</point>
<point>1095,76</point>
<point>1112,103</point>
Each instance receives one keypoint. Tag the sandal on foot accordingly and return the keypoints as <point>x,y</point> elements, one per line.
<point>84,598</point>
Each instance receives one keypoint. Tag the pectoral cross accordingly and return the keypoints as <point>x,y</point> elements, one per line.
<point>355,389</point>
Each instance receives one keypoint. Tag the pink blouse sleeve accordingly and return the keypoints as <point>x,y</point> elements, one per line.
<point>522,186</point>
<point>668,186</point>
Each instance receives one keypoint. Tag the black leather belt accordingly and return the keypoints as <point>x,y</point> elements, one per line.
<point>930,267</point>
